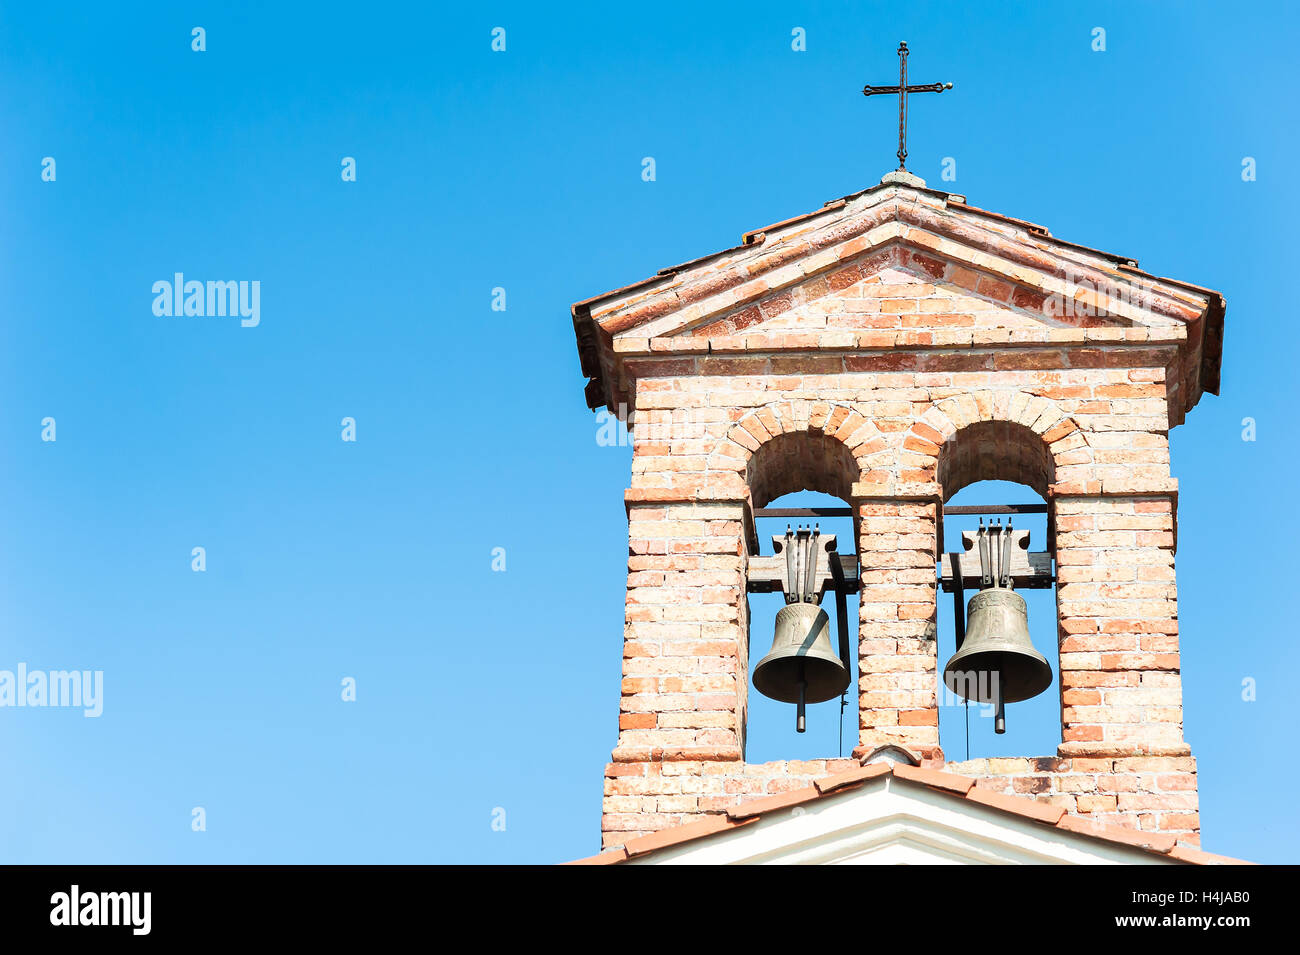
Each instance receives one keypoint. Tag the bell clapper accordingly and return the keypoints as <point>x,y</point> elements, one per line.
<point>799,723</point>
<point>1000,714</point>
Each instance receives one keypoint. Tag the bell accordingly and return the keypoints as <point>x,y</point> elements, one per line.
<point>997,662</point>
<point>801,667</point>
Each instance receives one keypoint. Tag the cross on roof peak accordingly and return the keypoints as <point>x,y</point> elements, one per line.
<point>902,89</point>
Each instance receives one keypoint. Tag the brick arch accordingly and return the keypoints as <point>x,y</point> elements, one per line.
<point>1000,436</point>
<point>790,446</point>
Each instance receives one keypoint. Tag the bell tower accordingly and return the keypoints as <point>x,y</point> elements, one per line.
<point>891,348</point>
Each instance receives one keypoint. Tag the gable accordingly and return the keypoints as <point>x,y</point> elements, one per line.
<point>901,288</point>
<point>890,822</point>
<point>864,274</point>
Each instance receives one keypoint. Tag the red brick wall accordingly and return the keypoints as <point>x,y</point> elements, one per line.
<point>895,434</point>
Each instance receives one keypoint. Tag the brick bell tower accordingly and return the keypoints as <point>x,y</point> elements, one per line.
<point>891,348</point>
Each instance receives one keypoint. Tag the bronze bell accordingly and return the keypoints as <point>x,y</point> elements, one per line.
<point>997,662</point>
<point>802,667</point>
<point>997,643</point>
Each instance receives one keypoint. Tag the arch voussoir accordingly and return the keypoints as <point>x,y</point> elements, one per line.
<point>1011,435</point>
<point>842,440</point>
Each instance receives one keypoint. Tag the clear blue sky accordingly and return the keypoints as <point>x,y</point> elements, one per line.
<point>521,169</point>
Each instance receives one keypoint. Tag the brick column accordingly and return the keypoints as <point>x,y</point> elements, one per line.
<point>897,658</point>
<point>685,660</point>
<point>1121,688</point>
<point>685,639</point>
<point>1121,692</point>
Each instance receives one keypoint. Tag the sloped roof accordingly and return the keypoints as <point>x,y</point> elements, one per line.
<point>951,784</point>
<point>663,315</point>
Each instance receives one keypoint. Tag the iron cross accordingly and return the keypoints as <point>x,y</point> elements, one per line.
<point>902,89</point>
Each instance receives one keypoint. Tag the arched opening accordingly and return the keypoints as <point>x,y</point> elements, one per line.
<point>1034,725</point>
<point>981,468</point>
<point>995,451</point>
<point>800,461</point>
<point>801,470</point>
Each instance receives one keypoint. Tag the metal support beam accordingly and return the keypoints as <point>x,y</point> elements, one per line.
<point>967,509</point>
<point>959,510</point>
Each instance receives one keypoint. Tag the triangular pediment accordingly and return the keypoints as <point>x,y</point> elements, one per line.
<point>894,823</point>
<point>891,238</point>
<point>894,268</point>
<point>896,287</point>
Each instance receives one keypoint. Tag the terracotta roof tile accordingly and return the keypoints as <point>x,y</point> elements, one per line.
<point>938,780</point>
<point>897,751</point>
<point>1029,808</point>
<point>750,237</point>
<point>1025,224</point>
<point>683,833</point>
<point>755,807</point>
<point>602,858</point>
<point>851,777</point>
<point>1156,841</point>
<point>1197,857</point>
